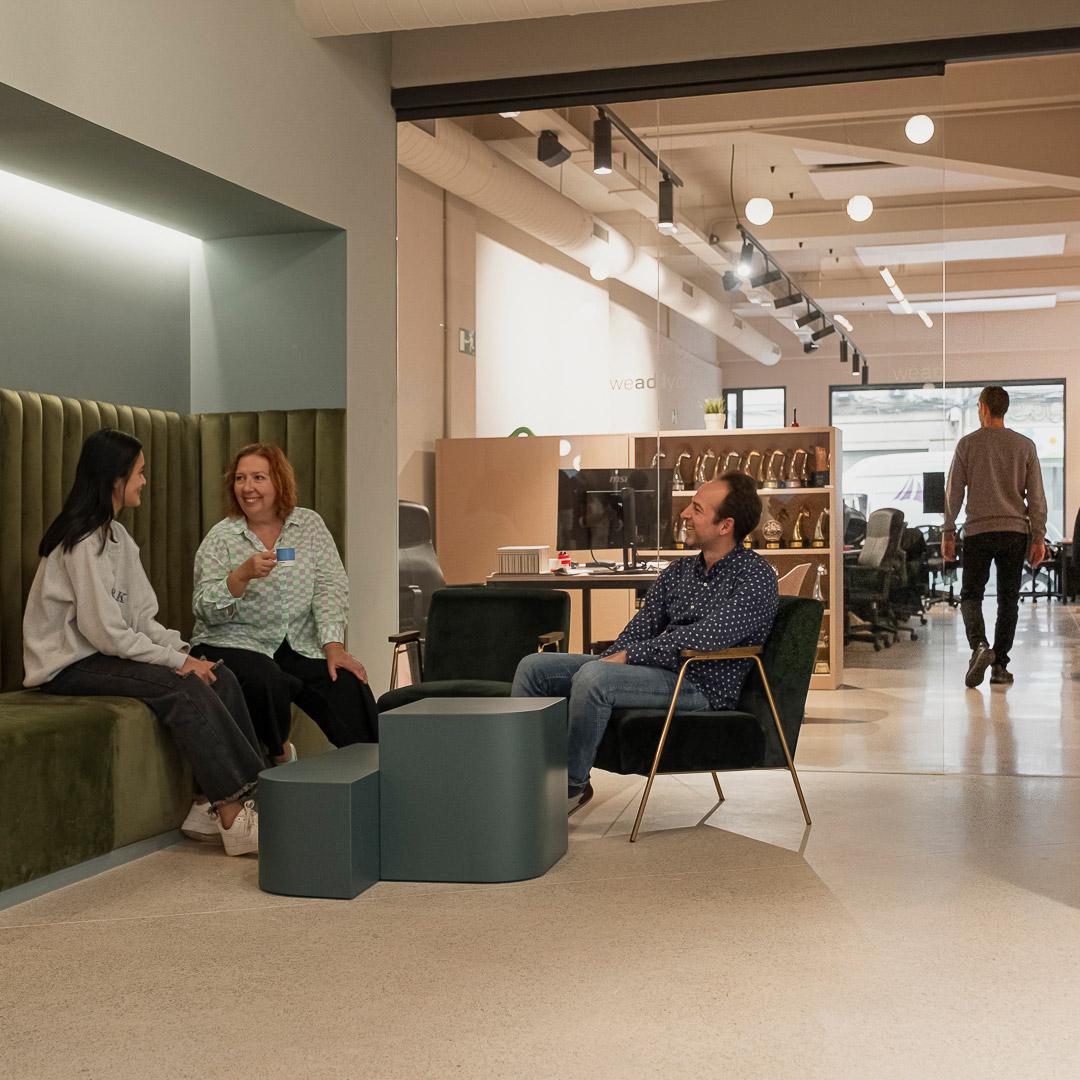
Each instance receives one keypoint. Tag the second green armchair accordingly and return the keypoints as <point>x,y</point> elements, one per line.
<point>475,639</point>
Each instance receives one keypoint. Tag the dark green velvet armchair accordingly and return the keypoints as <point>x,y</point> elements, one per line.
<point>475,639</point>
<point>762,733</point>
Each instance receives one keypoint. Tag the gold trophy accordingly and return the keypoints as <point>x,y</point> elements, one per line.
<point>732,462</point>
<point>774,468</point>
<point>821,466</point>
<point>821,530</point>
<point>797,538</point>
<point>796,469</point>
<point>701,466</point>
<point>677,482</point>
<point>773,532</point>
<point>819,585</point>
<point>821,665</point>
<point>752,465</point>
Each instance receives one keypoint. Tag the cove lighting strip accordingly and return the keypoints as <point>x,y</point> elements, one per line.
<point>93,220</point>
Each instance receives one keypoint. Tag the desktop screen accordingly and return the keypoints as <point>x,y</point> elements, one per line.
<point>591,510</point>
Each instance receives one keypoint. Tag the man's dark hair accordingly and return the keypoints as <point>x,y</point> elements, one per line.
<point>996,400</point>
<point>742,504</point>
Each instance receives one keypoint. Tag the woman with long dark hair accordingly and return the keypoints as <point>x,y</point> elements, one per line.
<point>90,628</point>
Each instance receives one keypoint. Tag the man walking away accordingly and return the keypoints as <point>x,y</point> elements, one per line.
<point>1006,520</point>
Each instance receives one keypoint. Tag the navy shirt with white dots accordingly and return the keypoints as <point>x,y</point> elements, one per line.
<point>733,603</point>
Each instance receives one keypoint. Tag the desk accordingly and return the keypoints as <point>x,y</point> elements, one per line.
<point>583,582</point>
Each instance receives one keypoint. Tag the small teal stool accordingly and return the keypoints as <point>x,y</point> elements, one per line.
<point>319,824</point>
<point>472,789</point>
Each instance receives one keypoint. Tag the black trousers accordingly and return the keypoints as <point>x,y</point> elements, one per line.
<point>344,709</point>
<point>210,724</point>
<point>1006,551</point>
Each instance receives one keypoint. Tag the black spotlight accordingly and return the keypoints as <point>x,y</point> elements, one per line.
<point>665,207</point>
<point>730,280</point>
<point>808,318</point>
<point>810,346</point>
<point>601,145</point>
<point>788,301</point>
<point>549,150</point>
<point>855,364</point>
<point>825,331</point>
<point>765,279</point>
<point>865,374</point>
<point>843,350</point>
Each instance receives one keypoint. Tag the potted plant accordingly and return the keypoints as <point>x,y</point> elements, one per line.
<point>715,414</point>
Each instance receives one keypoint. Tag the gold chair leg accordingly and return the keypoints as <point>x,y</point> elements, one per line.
<point>659,752</point>
<point>783,740</point>
<point>719,789</point>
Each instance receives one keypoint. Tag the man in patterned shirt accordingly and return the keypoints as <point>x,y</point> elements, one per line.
<point>723,597</point>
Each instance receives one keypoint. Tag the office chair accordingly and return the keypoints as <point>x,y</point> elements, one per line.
<point>868,582</point>
<point>419,572</point>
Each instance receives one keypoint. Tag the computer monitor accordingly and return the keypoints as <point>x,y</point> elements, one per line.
<point>593,510</point>
<point>933,492</point>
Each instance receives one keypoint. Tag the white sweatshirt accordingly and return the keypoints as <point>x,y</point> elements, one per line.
<point>87,601</point>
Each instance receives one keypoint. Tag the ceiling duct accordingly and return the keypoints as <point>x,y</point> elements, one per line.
<point>463,165</point>
<point>327,18</point>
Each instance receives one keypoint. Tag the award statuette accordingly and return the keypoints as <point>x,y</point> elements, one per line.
<point>773,532</point>
<point>701,466</point>
<point>821,466</point>
<point>732,462</point>
<point>797,538</point>
<point>677,482</point>
<point>752,465</point>
<point>819,584</point>
<point>774,468</point>
<point>796,469</point>
<point>821,665</point>
<point>821,530</point>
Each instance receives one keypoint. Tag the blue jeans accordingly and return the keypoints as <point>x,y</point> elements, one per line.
<point>595,688</point>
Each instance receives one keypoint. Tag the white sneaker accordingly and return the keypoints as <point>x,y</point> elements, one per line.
<point>200,824</point>
<point>242,836</point>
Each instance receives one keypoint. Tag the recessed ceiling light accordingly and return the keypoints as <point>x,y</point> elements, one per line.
<point>962,306</point>
<point>841,321</point>
<point>919,129</point>
<point>925,318</point>
<point>759,211</point>
<point>860,207</point>
<point>905,306</point>
<point>1012,247</point>
<point>886,276</point>
<point>509,115</point>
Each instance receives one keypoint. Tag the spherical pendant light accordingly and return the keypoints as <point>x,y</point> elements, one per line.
<point>759,211</point>
<point>919,129</point>
<point>860,207</point>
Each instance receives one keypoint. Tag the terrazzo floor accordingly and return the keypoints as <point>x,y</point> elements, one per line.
<point>926,925</point>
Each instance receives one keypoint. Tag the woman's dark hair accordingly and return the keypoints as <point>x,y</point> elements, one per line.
<point>742,504</point>
<point>107,456</point>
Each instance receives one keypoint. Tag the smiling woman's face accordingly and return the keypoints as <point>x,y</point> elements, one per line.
<point>254,490</point>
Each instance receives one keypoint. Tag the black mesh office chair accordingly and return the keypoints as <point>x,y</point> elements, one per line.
<point>868,583</point>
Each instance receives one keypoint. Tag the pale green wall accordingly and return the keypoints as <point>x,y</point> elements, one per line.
<point>268,323</point>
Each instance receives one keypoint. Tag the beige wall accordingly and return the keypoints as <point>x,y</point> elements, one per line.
<point>421,334</point>
<point>701,32</point>
<point>238,89</point>
<point>962,348</point>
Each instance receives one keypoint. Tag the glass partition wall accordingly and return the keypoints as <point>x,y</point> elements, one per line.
<point>604,307</point>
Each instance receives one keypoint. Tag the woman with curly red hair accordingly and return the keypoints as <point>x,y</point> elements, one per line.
<point>271,601</point>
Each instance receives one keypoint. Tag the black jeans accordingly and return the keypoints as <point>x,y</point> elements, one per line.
<point>210,724</point>
<point>344,709</point>
<point>1007,551</point>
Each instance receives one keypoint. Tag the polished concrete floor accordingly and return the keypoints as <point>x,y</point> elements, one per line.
<point>926,925</point>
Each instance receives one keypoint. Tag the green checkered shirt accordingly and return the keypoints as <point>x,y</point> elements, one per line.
<point>305,604</point>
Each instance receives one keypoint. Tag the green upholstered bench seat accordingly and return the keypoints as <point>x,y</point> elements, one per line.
<point>82,776</point>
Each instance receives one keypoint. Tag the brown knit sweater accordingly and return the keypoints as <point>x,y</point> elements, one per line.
<point>999,470</point>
